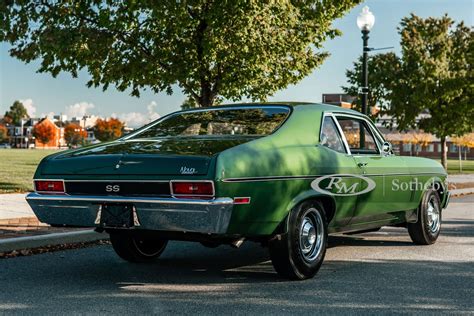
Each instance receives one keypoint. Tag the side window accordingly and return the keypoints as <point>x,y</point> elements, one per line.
<point>358,136</point>
<point>330,136</point>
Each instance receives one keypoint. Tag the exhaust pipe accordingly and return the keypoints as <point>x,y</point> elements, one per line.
<point>237,242</point>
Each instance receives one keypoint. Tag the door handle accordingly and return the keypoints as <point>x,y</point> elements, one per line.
<point>362,164</point>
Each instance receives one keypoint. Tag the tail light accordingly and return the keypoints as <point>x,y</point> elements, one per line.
<point>49,186</point>
<point>192,189</point>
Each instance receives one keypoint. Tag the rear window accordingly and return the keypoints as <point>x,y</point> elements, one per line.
<point>234,121</point>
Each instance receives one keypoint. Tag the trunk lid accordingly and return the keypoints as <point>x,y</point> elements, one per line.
<point>163,156</point>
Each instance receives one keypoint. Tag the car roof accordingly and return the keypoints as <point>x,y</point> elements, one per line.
<point>321,107</point>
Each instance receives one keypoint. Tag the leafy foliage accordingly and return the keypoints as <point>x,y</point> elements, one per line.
<point>433,76</point>
<point>466,140</point>
<point>74,134</point>
<point>231,49</point>
<point>44,131</point>
<point>189,103</point>
<point>382,69</point>
<point>16,113</point>
<point>107,130</point>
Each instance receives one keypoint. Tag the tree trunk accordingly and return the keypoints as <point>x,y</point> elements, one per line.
<point>460,158</point>
<point>444,153</point>
<point>206,99</point>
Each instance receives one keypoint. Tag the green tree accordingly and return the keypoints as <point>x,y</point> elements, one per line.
<point>189,103</point>
<point>434,75</point>
<point>209,48</point>
<point>16,113</point>
<point>382,69</point>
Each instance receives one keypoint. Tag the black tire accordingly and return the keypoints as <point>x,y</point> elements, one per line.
<point>428,226</point>
<point>136,248</point>
<point>210,244</point>
<point>290,258</point>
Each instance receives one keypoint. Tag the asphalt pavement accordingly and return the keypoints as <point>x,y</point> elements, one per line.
<point>372,273</point>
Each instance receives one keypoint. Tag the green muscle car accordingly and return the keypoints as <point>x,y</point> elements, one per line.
<point>285,175</point>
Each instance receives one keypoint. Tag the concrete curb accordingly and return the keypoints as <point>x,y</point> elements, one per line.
<point>461,192</point>
<point>30,242</point>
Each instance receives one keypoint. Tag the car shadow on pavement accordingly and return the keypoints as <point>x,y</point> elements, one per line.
<point>461,227</point>
<point>363,241</point>
<point>192,279</point>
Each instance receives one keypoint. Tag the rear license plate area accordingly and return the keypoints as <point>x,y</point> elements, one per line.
<point>116,215</point>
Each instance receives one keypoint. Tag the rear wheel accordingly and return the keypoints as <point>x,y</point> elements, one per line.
<point>210,244</point>
<point>299,254</point>
<point>136,248</point>
<point>426,230</point>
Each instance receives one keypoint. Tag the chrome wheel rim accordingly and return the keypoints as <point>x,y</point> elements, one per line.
<point>433,216</point>
<point>311,235</point>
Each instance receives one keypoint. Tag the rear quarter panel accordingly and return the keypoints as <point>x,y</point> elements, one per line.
<point>424,172</point>
<point>292,154</point>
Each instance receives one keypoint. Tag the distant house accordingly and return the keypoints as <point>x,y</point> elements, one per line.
<point>90,139</point>
<point>344,101</point>
<point>86,121</point>
<point>340,99</point>
<point>58,139</point>
<point>21,136</point>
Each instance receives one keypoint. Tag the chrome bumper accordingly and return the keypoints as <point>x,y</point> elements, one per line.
<point>164,214</point>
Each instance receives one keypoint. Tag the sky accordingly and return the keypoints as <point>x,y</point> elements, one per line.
<point>42,94</point>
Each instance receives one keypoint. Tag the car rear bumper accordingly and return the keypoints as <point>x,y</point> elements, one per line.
<point>162,214</point>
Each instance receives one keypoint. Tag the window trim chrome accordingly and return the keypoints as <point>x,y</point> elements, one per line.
<point>339,130</point>
<point>375,134</point>
<point>217,108</point>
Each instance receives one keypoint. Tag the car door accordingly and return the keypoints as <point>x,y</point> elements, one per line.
<point>386,172</point>
<point>338,163</point>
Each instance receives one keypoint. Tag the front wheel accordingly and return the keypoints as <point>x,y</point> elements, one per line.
<point>136,248</point>
<point>426,230</point>
<point>298,255</point>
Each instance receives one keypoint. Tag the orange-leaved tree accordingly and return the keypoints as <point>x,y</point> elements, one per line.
<point>3,133</point>
<point>44,132</point>
<point>108,129</point>
<point>466,141</point>
<point>74,134</point>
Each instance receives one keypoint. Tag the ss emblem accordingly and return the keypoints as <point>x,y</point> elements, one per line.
<point>112,188</point>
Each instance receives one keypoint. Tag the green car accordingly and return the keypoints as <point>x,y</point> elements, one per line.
<point>285,175</point>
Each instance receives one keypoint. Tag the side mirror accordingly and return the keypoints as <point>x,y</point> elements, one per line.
<point>387,148</point>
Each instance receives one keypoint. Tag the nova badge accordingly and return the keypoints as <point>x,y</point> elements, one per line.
<point>186,170</point>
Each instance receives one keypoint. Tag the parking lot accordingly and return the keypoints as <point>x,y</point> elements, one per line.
<point>380,272</point>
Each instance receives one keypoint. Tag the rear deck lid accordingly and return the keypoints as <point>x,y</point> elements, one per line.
<point>167,156</point>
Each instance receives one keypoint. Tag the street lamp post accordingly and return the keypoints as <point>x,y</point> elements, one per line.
<point>365,22</point>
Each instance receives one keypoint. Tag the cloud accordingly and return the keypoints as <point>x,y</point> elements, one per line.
<point>48,115</point>
<point>151,111</point>
<point>79,109</point>
<point>30,108</point>
<point>137,119</point>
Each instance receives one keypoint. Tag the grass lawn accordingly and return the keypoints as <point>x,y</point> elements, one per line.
<point>17,167</point>
<point>467,166</point>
